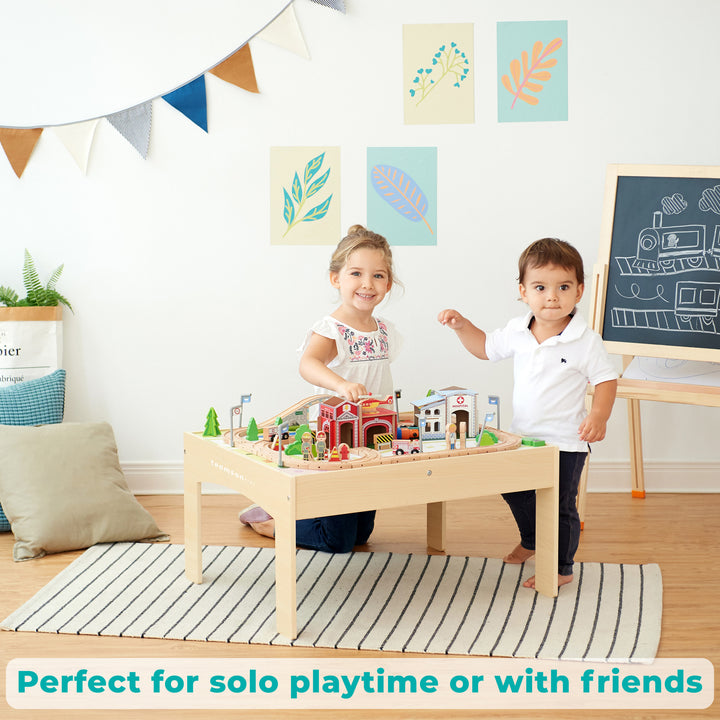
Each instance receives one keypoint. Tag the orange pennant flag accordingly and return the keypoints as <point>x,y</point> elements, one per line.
<point>238,69</point>
<point>19,144</point>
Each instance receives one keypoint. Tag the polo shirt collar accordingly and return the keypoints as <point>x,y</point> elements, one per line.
<point>575,328</point>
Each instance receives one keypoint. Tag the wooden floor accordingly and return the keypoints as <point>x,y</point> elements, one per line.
<point>680,532</point>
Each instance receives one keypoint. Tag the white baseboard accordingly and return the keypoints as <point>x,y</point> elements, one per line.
<point>668,477</point>
<point>162,478</point>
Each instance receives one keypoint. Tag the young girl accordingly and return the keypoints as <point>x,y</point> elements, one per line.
<point>347,353</point>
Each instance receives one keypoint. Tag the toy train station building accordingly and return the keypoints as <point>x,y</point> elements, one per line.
<point>437,410</point>
<point>356,424</point>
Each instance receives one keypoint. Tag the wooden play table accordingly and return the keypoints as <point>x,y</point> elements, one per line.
<point>291,494</point>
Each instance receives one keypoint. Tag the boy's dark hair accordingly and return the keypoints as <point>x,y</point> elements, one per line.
<point>551,251</point>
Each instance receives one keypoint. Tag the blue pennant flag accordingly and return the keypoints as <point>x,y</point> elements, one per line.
<point>191,101</point>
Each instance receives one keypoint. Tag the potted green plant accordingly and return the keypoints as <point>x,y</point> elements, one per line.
<point>31,327</point>
<point>38,295</point>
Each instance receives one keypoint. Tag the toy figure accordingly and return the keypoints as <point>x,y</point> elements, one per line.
<point>320,445</point>
<point>450,436</point>
<point>306,446</point>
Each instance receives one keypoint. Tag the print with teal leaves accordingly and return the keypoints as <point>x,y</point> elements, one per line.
<point>295,200</point>
<point>449,64</point>
<point>437,74</point>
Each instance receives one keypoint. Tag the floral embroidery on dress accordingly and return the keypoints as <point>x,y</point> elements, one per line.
<point>366,347</point>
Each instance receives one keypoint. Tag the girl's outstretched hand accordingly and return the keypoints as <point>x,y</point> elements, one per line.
<point>351,391</point>
<point>452,318</point>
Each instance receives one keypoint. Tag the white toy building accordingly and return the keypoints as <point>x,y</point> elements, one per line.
<point>453,404</point>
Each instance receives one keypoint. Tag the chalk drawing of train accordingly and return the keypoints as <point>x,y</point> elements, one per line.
<point>681,247</point>
<point>697,299</point>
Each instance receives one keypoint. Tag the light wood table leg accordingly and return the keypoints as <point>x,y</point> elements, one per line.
<point>436,525</point>
<point>637,471</point>
<point>285,575</point>
<point>193,550</point>
<point>546,537</point>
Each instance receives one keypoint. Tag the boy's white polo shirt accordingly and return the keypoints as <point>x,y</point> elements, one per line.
<point>551,378</point>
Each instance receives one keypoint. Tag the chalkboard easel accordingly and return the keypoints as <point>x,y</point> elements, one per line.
<point>656,286</point>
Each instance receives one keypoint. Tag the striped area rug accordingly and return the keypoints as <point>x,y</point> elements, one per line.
<point>364,600</point>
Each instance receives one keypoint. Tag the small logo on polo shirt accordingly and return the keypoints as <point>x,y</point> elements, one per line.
<point>563,360</point>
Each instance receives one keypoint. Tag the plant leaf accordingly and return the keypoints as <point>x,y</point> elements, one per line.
<point>297,188</point>
<point>319,211</point>
<point>523,73</point>
<point>54,277</point>
<point>401,192</point>
<point>8,296</point>
<point>317,184</point>
<point>288,208</point>
<point>312,167</point>
<point>31,279</point>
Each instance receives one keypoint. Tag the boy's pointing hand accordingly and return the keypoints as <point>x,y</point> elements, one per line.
<point>451,318</point>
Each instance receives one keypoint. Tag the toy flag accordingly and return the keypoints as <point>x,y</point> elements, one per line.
<point>18,145</point>
<point>191,101</point>
<point>238,69</point>
<point>495,400</point>
<point>78,139</point>
<point>285,32</point>
<point>134,125</point>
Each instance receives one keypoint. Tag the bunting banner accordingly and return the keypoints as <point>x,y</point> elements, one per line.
<point>238,69</point>
<point>191,101</point>
<point>78,139</point>
<point>285,32</point>
<point>134,125</point>
<point>334,4</point>
<point>18,145</point>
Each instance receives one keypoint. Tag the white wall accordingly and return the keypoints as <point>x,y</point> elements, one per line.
<point>168,262</point>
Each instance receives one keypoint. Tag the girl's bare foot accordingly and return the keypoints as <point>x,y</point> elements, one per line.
<point>266,528</point>
<point>562,580</point>
<point>518,555</point>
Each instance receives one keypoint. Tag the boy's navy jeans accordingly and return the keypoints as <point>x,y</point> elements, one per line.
<point>335,533</point>
<point>522,505</point>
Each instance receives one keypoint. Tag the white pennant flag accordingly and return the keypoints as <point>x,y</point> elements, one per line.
<point>285,32</point>
<point>78,139</point>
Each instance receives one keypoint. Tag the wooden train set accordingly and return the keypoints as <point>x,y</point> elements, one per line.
<point>354,430</point>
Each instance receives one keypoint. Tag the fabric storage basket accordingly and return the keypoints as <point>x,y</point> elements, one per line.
<point>31,341</point>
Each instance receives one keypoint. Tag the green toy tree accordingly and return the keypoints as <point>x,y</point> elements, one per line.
<point>252,431</point>
<point>295,448</point>
<point>212,426</point>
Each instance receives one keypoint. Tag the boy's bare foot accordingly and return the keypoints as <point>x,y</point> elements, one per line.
<point>518,555</point>
<point>266,528</point>
<point>562,580</point>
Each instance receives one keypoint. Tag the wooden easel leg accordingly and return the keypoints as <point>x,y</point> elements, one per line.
<point>637,471</point>
<point>582,486</point>
<point>582,492</point>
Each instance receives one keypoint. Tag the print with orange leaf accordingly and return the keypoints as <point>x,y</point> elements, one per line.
<point>533,71</point>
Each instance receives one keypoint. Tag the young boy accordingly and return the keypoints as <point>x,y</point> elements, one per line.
<point>555,355</point>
